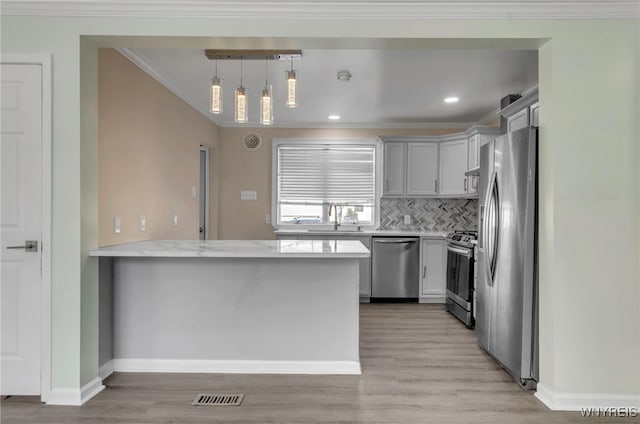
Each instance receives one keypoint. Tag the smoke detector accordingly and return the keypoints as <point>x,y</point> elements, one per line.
<point>251,141</point>
<point>343,75</point>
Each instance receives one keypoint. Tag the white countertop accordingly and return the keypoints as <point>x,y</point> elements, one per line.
<point>237,249</point>
<point>390,233</point>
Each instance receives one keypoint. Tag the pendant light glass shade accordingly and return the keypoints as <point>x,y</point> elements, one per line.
<point>266,106</point>
<point>291,89</point>
<point>216,96</point>
<point>241,115</point>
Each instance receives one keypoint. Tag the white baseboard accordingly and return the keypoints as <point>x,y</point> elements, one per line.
<point>577,401</point>
<point>105,370</point>
<point>433,299</point>
<point>75,397</point>
<point>237,367</point>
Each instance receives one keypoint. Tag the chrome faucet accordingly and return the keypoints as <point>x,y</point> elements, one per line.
<point>335,209</point>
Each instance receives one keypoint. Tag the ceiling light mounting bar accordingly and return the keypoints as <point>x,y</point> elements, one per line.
<point>253,54</point>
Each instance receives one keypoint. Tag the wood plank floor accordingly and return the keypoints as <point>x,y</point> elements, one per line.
<point>420,365</point>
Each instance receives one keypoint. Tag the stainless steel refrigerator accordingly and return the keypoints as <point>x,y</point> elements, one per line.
<point>506,315</point>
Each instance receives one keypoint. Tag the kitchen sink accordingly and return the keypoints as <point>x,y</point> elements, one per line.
<point>339,230</point>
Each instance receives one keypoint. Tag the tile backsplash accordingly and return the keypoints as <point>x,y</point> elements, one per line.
<point>429,214</point>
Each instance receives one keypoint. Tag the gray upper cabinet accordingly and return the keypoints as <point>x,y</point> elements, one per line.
<point>394,169</point>
<point>478,137</point>
<point>410,169</point>
<point>533,114</point>
<point>422,169</point>
<point>453,165</point>
<point>523,112</point>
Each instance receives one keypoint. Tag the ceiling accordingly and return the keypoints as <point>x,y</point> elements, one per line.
<point>389,88</point>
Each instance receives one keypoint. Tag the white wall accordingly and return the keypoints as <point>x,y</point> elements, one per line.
<point>590,187</point>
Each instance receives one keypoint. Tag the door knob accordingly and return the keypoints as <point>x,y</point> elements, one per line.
<point>29,246</point>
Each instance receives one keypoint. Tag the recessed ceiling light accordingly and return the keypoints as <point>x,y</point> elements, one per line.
<point>451,99</point>
<point>334,117</point>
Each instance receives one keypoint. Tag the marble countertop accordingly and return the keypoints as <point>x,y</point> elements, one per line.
<point>390,233</point>
<point>237,249</point>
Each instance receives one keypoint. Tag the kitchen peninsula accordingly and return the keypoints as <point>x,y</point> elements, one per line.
<point>252,306</point>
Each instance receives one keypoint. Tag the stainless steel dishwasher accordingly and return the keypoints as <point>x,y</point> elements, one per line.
<point>395,269</point>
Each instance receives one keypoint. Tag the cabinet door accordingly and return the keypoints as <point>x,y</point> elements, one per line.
<point>453,165</point>
<point>473,151</point>
<point>534,115</point>
<point>518,120</point>
<point>422,169</point>
<point>472,185</point>
<point>433,288</point>
<point>394,155</point>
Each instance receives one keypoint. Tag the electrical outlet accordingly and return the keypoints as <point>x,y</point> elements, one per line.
<point>248,195</point>
<point>116,224</point>
<point>407,219</point>
<point>143,223</point>
<point>267,219</point>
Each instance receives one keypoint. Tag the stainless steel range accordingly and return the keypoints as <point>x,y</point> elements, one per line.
<point>460,275</point>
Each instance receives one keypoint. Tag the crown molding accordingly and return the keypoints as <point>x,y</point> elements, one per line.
<point>166,82</point>
<point>360,126</point>
<point>351,9</point>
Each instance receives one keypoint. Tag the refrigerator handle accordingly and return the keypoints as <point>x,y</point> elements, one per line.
<point>489,250</point>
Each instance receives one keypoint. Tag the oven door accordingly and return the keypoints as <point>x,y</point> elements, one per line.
<point>460,275</point>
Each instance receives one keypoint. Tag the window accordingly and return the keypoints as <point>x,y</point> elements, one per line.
<point>310,177</point>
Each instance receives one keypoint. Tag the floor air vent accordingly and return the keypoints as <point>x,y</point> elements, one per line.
<point>218,399</point>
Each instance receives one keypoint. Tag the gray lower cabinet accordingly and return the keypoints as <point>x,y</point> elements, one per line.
<point>433,271</point>
<point>365,264</point>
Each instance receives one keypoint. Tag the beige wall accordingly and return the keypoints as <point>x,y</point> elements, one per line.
<point>251,170</point>
<point>148,150</point>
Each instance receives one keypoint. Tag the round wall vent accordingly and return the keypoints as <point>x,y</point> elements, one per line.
<point>252,141</point>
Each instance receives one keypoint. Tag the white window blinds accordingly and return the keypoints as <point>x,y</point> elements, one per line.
<point>326,174</point>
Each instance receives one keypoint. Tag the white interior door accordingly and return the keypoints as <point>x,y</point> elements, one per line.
<point>20,221</point>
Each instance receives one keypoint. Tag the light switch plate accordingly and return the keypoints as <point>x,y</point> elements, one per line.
<point>143,223</point>
<point>267,219</point>
<point>407,219</point>
<point>116,224</point>
<point>194,192</point>
<point>248,195</point>
<point>175,220</point>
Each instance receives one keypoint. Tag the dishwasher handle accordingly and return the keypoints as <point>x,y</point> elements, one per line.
<point>395,241</point>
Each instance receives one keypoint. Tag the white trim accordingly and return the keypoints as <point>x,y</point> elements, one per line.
<point>353,9</point>
<point>44,60</point>
<point>166,82</point>
<point>207,229</point>
<point>577,401</point>
<point>357,125</point>
<point>433,298</point>
<point>237,367</point>
<point>105,370</point>
<point>76,397</point>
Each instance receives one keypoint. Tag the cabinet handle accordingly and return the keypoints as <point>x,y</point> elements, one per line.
<point>435,185</point>
<point>465,184</point>
<point>424,271</point>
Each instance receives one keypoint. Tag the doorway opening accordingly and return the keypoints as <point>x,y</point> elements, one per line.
<point>203,207</point>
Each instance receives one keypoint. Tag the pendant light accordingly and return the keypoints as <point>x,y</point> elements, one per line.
<point>291,87</point>
<point>266,100</point>
<point>241,115</point>
<point>215,94</point>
